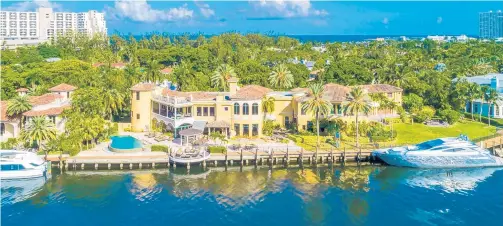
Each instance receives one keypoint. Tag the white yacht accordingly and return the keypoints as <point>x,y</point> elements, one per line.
<point>21,164</point>
<point>453,152</point>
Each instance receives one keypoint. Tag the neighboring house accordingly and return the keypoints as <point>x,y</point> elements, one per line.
<point>309,64</point>
<point>118,65</point>
<point>167,71</point>
<point>52,59</point>
<point>49,105</point>
<point>494,81</point>
<point>237,112</point>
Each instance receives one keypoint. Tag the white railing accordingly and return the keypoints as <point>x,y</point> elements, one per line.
<point>175,122</point>
<point>173,100</point>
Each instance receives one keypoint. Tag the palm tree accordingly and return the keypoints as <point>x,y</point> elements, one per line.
<point>268,105</point>
<point>223,73</point>
<point>281,77</point>
<point>492,97</point>
<point>358,102</point>
<point>153,71</point>
<point>39,130</point>
<point>482,97</point>
<point>17,106</point>
<point>114,101</point>
<point>315,104</point>
<point>474,92</point>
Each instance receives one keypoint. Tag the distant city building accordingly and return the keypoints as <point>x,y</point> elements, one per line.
<point>31,28</point>
<point>491,25</point>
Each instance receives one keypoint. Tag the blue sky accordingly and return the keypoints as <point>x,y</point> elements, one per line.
<point>300,17</point>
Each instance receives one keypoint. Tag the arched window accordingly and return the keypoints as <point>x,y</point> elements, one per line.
<point>246,109</point>
<point>255,109</point>
<point>236,109</point>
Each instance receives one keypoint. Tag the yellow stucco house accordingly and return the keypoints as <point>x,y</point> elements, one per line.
<point>237,112</point>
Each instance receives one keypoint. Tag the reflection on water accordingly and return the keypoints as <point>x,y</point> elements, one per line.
<point>317,195</point>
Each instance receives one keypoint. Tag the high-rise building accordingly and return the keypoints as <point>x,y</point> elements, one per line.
<point>35,27</point>
<point>491,24</point>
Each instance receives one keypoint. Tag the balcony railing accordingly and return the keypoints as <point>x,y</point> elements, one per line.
<point>172,100</point>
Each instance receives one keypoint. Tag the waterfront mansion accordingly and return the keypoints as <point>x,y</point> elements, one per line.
<point>50,105</point>
<point>237,112</point>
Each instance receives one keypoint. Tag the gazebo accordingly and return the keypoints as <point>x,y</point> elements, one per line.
<point>189,135</point>
<point>221,126</point>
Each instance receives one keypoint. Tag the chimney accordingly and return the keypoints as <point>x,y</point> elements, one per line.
<point>233,85</point>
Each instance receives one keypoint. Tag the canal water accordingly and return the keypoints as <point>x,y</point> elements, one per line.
<point>294,196</point>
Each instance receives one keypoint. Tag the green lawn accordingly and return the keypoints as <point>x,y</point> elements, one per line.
<point>411,134</point>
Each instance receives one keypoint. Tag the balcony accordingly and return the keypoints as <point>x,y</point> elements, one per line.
<point>173,101</point>
<point>175,121</point>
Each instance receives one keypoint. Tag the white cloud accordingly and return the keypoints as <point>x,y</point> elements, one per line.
<point>141,11</point>
<point>439,20</point>
<point>205,9</point>
<point>288,8</point>
<point>33,5</point>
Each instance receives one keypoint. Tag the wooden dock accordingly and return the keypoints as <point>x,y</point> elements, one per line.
<point>237,158</point>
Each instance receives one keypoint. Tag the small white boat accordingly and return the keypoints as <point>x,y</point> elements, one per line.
<point>21,164</point>
<point>452,152</point>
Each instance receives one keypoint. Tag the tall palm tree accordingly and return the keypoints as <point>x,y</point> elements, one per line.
<point>281,77</point>
<point>482,96</point>
<point>153,71</point>
<point>357,103</point>
<point>223,73</point>
<point>268,105</point>
<point>474,92</point>
<point>492,97</point>
<point>17,106</point>
<point>114,102</point>
<point>315,104</point>
<point>39,130</point>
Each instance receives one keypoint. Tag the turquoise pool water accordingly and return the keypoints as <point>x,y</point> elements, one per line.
<point>125,142</point>
<point>259,196</point>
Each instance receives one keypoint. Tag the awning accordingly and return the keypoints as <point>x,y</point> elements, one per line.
<point>218,124</point>
<point>190,132</point>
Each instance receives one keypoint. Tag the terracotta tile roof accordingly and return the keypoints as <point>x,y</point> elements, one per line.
<point>381,88</point>
<point>143,87</point>
<point>63,87</point>
<point>335,92</point>
<point>44,99</point>
<point>251,92</point>
<point>22,90</point>
<point>50,111</point>
<point>167,70</point>
<point>197,96</point>
<point>3,112</point>
<point>218,124</point>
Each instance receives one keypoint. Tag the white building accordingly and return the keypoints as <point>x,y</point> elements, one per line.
<point>31,28</point>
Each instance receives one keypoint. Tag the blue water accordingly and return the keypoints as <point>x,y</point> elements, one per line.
<point>314,196</point>
<point>125,142</point>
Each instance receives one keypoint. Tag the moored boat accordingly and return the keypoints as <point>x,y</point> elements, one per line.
<point>452,152</point>
<point>21,164</point>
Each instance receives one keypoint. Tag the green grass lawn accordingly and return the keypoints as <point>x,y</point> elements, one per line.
<point>411,134</point>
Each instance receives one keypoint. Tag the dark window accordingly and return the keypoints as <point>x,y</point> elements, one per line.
<point>189,110</point>
<point>226,108</point>
<point>155,108</point>
<point>199,112</point>
<point>236,128</point>
<point>137,95</point>
<point>332,109</point>
<point>205,111</point>
<point>2,129</point>
<point>246,109</point>
<point>255,130</point>
<point>303,127</point>
<point>67,94</point>
<point>53,119</point>
<point>236,109</point>
<point>309,126</point>
<point>212,111</point>
<point>246,130</point>
<point>287,122</point>
<point>137,116</point>
<point>255,109</point>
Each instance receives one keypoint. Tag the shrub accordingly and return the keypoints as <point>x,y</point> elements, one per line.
<point>268,127</point>
<point>159,148</point>
<point>217,149</point>
<point>9,144</point>
<point>425,114</point>
<point>451,116</point>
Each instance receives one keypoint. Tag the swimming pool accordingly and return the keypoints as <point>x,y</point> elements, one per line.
<point>125,144</point>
